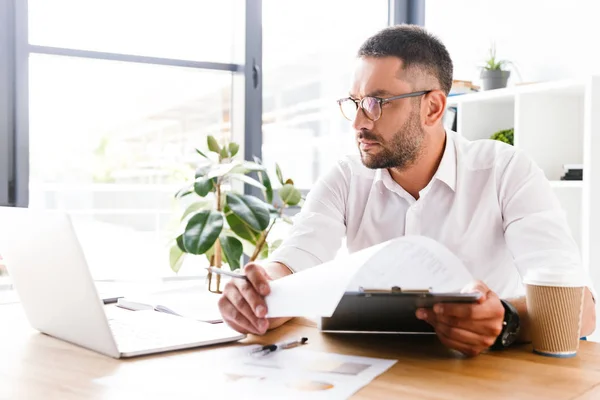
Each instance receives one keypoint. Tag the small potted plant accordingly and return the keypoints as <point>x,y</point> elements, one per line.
<point>505,135</point>
<point>493,75</point>
<point>223,223</point>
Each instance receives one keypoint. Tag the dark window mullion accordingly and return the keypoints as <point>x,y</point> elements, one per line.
<point>21,106</point>
<point>98,55</point>
<point>253,86</point>
<point>7,99</point>
<point>406,12</point>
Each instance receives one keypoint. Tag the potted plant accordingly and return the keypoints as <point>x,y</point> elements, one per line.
<point>492,74</point>
<point>505,135</point>
<point>223,223</point>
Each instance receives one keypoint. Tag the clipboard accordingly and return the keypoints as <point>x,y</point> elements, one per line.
<point>389,311</point>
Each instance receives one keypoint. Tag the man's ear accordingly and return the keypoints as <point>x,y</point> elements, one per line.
<point>434,106</point>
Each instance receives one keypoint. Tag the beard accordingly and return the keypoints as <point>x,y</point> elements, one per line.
<point>400,152</point>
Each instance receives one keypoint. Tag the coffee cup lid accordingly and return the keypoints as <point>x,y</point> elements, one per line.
<point>559,276</point>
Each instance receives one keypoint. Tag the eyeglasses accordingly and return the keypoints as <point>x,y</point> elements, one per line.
<point>371,106</point>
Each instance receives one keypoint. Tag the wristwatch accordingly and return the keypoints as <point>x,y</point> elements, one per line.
<point>510,327</point>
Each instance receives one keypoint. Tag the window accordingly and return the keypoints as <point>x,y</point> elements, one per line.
<point>111,142</point>
<point>120,92</point>
<point>200,30</point>
<point>308,62</point>
<point>111,139</point>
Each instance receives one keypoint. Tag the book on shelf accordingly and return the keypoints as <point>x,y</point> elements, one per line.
<point>572,172</point>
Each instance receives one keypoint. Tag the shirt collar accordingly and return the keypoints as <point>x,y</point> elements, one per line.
<point>446,171</point>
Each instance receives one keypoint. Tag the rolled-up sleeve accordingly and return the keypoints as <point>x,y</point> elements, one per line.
<point>535,225</point>
<point>318,229</point>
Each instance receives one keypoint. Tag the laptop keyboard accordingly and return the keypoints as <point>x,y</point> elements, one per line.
<point>155,330</point>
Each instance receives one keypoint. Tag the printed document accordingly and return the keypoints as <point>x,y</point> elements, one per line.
<point>409,262</point>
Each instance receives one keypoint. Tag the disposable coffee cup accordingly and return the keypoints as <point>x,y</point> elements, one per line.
<point>555,305</point>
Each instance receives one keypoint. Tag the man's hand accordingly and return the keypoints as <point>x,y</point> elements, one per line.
<point>242,303</point>
<point>468,328</point>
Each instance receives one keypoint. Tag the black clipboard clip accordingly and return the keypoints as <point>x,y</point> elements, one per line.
<point>393,289</point>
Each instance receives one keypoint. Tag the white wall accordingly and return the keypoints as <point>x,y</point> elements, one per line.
<point>546,39</point>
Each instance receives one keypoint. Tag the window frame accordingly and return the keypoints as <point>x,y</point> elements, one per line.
<point>247,88</point>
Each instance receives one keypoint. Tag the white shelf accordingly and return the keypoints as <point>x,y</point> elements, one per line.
<point>567,184</point>
<point>555,123</point>
<point>563,88</point>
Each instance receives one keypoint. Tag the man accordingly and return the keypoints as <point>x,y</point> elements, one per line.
<point>485,200</point>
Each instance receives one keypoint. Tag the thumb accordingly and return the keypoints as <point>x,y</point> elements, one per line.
<point>477,287</point>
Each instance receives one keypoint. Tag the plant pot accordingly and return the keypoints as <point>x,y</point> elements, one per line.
<point>494,79</point>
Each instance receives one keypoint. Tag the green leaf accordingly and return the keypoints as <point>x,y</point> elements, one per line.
<point>290,195</point>
<point>209,253</point>
<point>252,166</point>
<point>275,245</point>
<point>212,144</point>
<point>224,153</point>
<point>179,242</point>
<point>233,148</point>
<point>248,180</point>
<point>279,175</point>
<point>201,153</point>
<point>202,230</point>
<point>263,177</point>
<point>199,205</point>
<point>176,258</point>
<point>202,171</point>
<point>184,191</point>
<point>219,170</point>
<point>264,253</point>
<point>241,228</point>
<point>203,186</point>
<point>244,167</point>
<point>273,210</point>
<point>250,209</point>
<point>233,250</point>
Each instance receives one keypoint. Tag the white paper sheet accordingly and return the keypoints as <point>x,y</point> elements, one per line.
<point>410,262</point>
<point>232,373</point>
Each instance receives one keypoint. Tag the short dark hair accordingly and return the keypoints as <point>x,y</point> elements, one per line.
<point>415,47</point>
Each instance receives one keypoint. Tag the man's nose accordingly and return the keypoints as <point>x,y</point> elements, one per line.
<point>361,122</point>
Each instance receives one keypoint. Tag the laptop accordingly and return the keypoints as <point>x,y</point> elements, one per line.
<point>49,272</point>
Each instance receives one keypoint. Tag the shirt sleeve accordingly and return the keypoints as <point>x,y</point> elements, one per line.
<point>318,229</point>
<point>535,225</point>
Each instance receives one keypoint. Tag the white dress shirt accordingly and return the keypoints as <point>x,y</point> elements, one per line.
<point>488,203</point>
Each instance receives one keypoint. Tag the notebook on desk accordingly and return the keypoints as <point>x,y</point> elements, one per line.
<point>181,307</point>
<point>51,276</point>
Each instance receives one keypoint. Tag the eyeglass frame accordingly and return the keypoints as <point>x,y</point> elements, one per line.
<point>381,102</point>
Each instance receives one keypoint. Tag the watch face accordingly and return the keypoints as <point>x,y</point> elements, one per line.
<point>509,338</point>
<point>512,327</point>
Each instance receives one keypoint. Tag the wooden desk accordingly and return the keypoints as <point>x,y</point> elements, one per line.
<point>35,366</point>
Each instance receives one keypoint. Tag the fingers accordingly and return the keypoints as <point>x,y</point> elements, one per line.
<point>427,315</point>
<point>255,301</point>
<point>464,336</point>
<point>491,308</point>
<point>243,305</point>
<point>466,349</point>
<point>235,318</point>
<point>488,327</point>
<point>247,302</point>
<point>477,286</point>
<point>258,278</point>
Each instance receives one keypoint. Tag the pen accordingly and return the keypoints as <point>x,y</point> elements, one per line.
<point>268,348</point>
<point>220,271</point>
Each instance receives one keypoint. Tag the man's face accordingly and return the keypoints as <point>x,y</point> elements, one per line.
<point>395,139</point>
